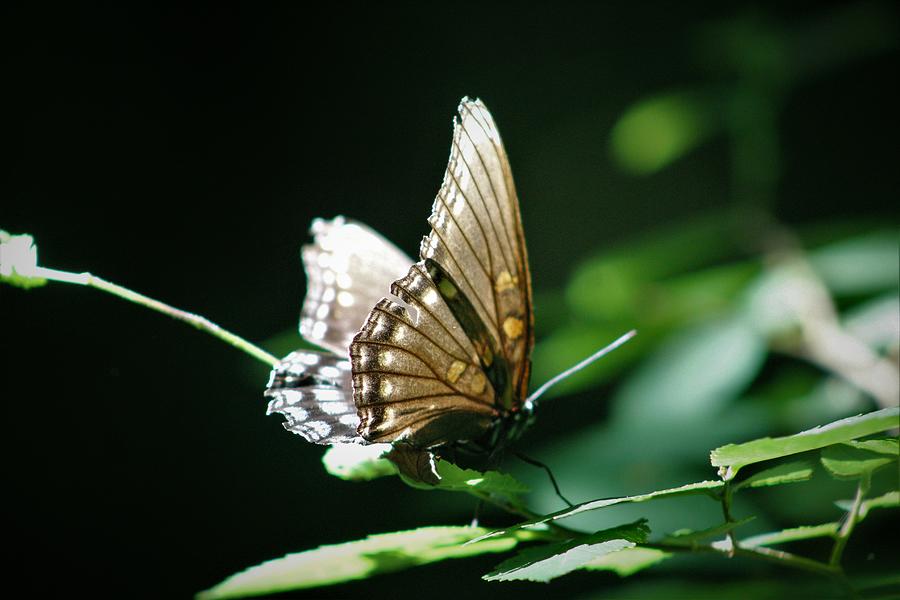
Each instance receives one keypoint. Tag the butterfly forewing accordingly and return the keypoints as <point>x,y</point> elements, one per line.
<point>477,238</point>
<point>348,269</point>
<point>443,371</point>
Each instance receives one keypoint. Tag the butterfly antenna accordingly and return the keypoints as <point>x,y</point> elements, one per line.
<point>574,369</point>
<point>537,463</point>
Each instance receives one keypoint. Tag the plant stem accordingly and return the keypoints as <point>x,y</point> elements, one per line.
<point>565,532</point>
<point>766,554</point>
<point>201,323</point>
<point>843,534</point>
<point>726,512</point>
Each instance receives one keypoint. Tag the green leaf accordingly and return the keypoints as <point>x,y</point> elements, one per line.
<point>454,479</point>
<point>791,535</point>
<point>549,561</point>
<point>328,565</point>
<point>357,462</point>
<point>791,472</point>
<point>732,457</point>
<point>627,561</point>
<point>700,487</point>
<point>852,461</point>
<point>18,261</point>
<point>689,538</point>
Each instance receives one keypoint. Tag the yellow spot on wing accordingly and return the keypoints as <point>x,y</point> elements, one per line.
<point>479,382</point>
<point>513,327</point>
<point>455,370</point>
<point>505,281</point>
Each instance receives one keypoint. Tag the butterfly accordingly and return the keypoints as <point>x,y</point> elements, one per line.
<point>431,356</point>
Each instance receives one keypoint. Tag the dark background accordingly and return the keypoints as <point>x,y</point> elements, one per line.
<point>183,150</point>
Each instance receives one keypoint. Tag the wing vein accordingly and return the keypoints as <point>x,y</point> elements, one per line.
<point>510,242</point>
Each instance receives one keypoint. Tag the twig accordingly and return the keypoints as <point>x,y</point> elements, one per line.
<point>843,534</point>
<point>201,323</point>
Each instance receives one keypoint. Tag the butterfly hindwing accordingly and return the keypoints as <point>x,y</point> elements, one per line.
<point>312,391</point>
<point>450,353</point>
<point>349,267</point>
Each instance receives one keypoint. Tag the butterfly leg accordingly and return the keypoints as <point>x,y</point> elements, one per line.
<point>536,463</point>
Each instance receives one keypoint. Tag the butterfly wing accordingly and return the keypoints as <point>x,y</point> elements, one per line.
<point>348,268</point>
<point>443,371</point>
<point>312,391</point>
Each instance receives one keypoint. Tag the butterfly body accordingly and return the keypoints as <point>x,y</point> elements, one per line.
<point>441,363</point>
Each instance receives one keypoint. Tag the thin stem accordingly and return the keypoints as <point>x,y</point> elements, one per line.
<point>766,554</point>
<point>726,512</point>
<point>201,323</point>
<point>516,509</point>
<point>850,520</point>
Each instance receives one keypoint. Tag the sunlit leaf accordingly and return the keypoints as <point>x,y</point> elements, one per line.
<point>791,472</point>
<point>627,561</point>
<point>328,565</point>
<point>854,460</point>
<point>701,487</point>
<point>357,462</point>
<point>549,561</point>
<point>734,456</point>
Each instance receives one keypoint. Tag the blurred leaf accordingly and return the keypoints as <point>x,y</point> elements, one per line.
<point>358,462</point>
<point>627,561</point>
<point>692,375</point>
<point>791,472</point>
<point>877,323</point>
<point>735,456</point>
<point>852,461</point>
<point>656,131</point>
<point>792,534</point>
<point>549,561</point>
<point>863,265</point>
<point>689,538</point>
<point>383,553</point>
<point>613,286</point>
<point>701,487</point>
<point>18,261</point>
